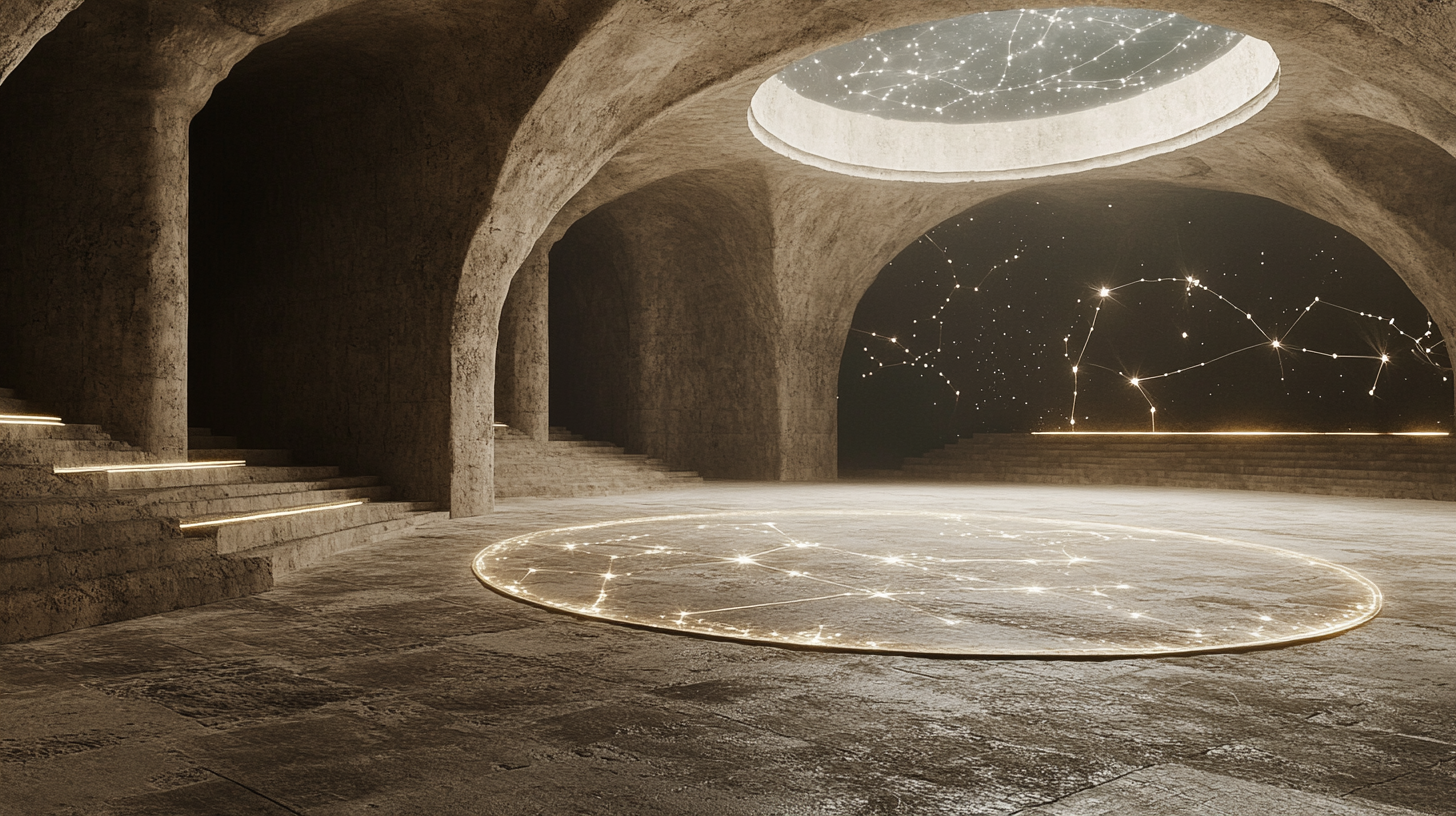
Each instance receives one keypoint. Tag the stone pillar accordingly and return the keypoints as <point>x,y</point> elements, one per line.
<point>95,255</point>
<point>1448,331</point>
<point>522,369</point>
<point>809,351</point>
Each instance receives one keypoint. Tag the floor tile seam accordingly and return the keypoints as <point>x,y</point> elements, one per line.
<point>1355,791</point>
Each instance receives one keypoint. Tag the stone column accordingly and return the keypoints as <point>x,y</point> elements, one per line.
<point>97,255</point>
<point>522,370</point>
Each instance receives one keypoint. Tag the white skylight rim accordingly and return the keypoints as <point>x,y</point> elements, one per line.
<point>1223,93</point>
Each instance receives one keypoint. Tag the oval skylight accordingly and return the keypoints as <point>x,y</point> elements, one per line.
<point>1014,94</point>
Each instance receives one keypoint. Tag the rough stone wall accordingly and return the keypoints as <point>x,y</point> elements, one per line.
<point>340,179</point>
<point>523,353</point>
<point>664,336</point>
<point>22,23</point>
<point>93,227</point>
<point>490,118</point>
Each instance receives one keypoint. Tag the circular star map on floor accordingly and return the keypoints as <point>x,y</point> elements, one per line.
<point>949,584</point>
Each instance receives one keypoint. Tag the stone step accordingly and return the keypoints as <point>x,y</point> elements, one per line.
<point>1391,490</point>
<point>569,465</point>
<point>56,432</point>
<point>252,456</point>
<point>583,463</point>
<point>1383,466</point>
<point>32,613</point>
<point>41,481</point>
<point>265,532</point>
<point>15,405</point>
<point>296,554</point>
<point>202,506</point>
<point>513,469</point>
<point>88,458</point>
<point>17,515</point>
<point>1202,464</point>
<point>1145,475</point>
<point>39,447</point>
<point>623,477</point>
<point>71,566</point>
<point>1352,484</point>
<point>1330,454</point>
<point>1415,449</point>
<point>576,490</point>
<point>160,479</point>
<point>36,542</point>
<point>245,489</point>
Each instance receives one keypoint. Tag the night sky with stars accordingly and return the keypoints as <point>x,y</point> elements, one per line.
<point>1030,268</point>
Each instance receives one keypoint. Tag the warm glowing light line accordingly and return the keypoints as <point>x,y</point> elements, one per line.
<point>29,419</point>
<point>151,468</point>
<point>1204,363</point>
<point>272,514</point>
<point>1240,433</point>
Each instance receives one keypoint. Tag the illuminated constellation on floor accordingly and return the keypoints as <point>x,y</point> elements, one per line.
<point>1005,65</point>
<point>926,354</point>
<point>1423,347</point>
<point>932,583</point>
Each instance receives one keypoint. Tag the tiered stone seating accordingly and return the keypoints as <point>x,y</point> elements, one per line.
<point>568,465</point>
<point>271,484</point>
<point>1406,467</point>
<point>82,548</point>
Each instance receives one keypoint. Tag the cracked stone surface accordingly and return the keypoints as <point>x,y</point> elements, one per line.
<point>389,681</point>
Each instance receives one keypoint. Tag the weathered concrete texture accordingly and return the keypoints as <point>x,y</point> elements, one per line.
<point>330,223</point>
<point>22,23</point>
<point>522,368</point>
<point>370,176</point>
<point>566,464</point>
<point>391,682</point>
<point>666,329</point>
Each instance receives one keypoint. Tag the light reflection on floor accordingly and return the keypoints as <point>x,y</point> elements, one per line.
<point>932,583</point>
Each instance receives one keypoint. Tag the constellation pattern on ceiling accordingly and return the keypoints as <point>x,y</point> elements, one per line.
<point>1008,65</point>
<point>927,352</point>
<point>932,583</point>
<point>1424,348</point>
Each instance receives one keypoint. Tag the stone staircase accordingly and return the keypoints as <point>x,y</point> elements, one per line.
<point>568,465</point>
<point>306,513</point>
<point>1403,467</point>
<point>93,530</point>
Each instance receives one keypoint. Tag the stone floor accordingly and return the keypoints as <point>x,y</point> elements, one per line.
<point>389,681</point>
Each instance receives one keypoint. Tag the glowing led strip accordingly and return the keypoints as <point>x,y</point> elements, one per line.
<point>136,468</point>
<point>273,514</point>
<point>29,419</point>
<point>1238,433</point>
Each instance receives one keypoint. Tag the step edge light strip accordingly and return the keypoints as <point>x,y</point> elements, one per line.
<point>1240,433</point>
<point>273,514</point>
<point>153,468</point>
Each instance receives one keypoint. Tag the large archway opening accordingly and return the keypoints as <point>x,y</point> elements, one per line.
<point>1179,309</point>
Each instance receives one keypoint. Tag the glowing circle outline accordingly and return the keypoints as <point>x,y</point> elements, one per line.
<point>1369,611</point>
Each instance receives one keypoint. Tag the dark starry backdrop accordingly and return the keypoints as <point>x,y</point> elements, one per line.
<point>1030,265</point>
